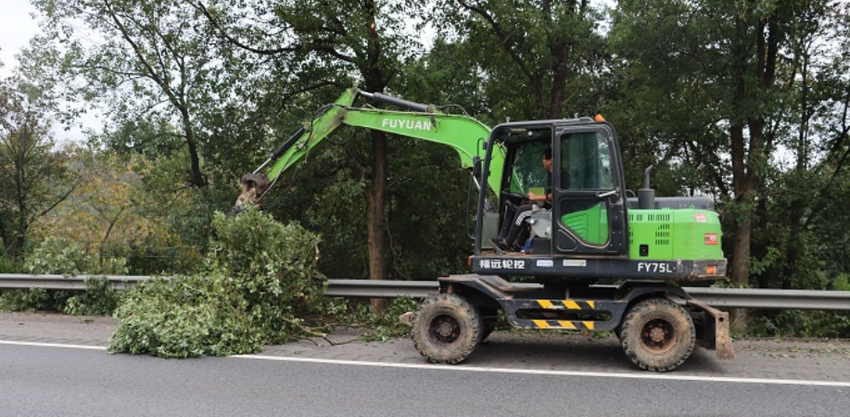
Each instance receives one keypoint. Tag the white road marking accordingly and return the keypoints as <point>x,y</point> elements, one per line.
<point>55,345</point>
<point>462,368</point>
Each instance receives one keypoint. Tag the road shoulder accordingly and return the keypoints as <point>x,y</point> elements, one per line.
<point>796,359</point>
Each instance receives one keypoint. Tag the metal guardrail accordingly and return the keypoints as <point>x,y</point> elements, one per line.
<point>379,288</point>
<point>715,297</point>
<point>768,298</point>
<point>62,282</point>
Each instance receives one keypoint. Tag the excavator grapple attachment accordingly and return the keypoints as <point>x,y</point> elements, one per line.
<point>253,186</point>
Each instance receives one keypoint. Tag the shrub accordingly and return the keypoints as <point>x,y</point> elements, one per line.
<point>272,265</point>
<point>99,299</point>
<point>260,278</point>
<point>33,299</point>
<point>802,323</point>
<point>56,255</point>
<point>7,265</point>
<point>183,317</point>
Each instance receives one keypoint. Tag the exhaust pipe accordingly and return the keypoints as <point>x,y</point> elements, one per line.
<point>646,195</point>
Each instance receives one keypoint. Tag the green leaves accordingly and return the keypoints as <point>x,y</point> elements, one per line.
<point>99,299</point>
<point>388,325</point>
<point>186,316</point>
<point>57,255</point>
<point>536,58</point>
<point>60,256</point>
<point>151,60</point>
<point>260,277</point>
<point>34,177</point>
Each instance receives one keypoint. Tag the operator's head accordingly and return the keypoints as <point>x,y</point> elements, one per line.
<point>547,159</point>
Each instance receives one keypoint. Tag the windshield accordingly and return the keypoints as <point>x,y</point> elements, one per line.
<point>527,170</point>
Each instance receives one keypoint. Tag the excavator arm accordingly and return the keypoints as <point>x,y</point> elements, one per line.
<point>466,135</point>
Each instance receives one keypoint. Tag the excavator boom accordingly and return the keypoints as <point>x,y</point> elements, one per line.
<point>466,135</point>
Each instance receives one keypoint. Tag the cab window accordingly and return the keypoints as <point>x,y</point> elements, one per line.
<point>527,167</point>
<point>586,161</point>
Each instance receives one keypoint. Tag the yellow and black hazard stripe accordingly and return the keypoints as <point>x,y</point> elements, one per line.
<point>563,324</point>
<point>566,304</point>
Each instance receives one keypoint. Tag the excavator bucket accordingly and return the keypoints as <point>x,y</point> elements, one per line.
<point>253,187</point>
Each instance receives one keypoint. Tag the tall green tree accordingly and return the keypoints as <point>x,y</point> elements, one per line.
<point>141,59</point>
<point>540,58</point>
<point>721,65</point>
<point>799,213</point>
<point>320,43</point>
<point>34,177</point>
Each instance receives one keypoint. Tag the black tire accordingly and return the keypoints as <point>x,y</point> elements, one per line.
<point>446,328</point>
<point>657,335</point>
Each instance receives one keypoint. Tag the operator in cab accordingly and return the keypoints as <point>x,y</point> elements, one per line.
<point>513,238</point>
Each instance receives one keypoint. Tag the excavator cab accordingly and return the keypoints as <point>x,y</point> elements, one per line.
<point>593,232</point>
<point>588,210</point>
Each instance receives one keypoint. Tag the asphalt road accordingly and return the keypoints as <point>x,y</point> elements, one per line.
<point>510,374</point>
<point>51,381</point>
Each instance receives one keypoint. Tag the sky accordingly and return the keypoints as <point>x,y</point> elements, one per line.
<point>16,28</point>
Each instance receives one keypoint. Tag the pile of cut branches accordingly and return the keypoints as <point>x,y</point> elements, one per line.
<point>260,277</point>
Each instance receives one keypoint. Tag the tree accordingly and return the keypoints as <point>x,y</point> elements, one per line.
<point>540,57</point>
<point>799,215</point>
<point>148,60</point>
<point>729,58</point>
<point>34,178</point>
<point>106,215</point>
<point>317,42</point>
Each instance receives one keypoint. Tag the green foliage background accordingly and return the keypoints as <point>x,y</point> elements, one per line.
<point>58,256</point>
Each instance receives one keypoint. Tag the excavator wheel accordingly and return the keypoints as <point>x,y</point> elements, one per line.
<point>657,335</point>
<point>446,328</point>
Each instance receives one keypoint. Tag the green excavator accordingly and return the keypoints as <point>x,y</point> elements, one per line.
<point>597,259</point>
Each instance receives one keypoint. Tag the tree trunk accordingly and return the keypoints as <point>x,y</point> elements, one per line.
<point>19,238</point>
<point>196,178</point>
<point>4,235</point>
<point>557,94</point>
<point>740,183</point>
<point>376,200</point>
<point>376,193</point>
<point>742,229</point>
<point>20,243</point>
<point>741,253</point>
<point>740,270</point>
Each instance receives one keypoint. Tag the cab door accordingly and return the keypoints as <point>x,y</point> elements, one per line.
<point>589,205</point>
